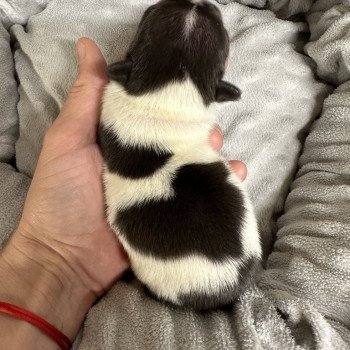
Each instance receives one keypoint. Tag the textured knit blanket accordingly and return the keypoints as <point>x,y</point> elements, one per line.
<point>291,128</point>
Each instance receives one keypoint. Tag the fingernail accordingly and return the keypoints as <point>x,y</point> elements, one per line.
<point>81,50</point>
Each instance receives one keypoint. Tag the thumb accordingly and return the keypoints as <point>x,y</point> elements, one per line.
<point>79,116</point>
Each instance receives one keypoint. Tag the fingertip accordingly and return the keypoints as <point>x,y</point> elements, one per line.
<point>91,60</point>
<point>89,44</point>
<point>216,138</point>
<point>239,168</point>
<point>85,39</point>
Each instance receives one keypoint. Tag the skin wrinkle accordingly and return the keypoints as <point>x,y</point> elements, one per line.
<point>44,267</point>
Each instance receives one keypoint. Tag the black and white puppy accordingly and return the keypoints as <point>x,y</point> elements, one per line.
<point>182,216</point>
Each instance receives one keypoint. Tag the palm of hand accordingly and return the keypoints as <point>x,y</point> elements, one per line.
<point>64,209</point>
<point>65,205</point>
<point>69,195</point>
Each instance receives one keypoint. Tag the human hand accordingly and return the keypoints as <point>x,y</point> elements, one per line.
<point>63,230</point>
<point>63,248</point>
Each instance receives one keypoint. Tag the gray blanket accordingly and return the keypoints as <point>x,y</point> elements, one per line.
<point>302,299</point>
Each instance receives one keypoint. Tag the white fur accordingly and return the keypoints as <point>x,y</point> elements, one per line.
<point>124,192</point>
<point>173,277</point>
<point>249,233</point>
<point>174,119</point>
<point>190,21</point>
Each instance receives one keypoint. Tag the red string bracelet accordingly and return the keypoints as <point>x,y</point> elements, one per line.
<point>58,337</point>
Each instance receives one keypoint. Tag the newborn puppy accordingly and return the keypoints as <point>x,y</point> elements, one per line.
<point>181,215</point>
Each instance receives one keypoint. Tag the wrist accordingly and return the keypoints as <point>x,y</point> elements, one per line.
<point>37,278</point>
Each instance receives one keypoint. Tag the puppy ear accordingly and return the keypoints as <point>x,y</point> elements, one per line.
<point>226,92</point>
<point>120,71</point>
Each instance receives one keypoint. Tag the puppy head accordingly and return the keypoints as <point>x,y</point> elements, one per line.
<point>177,40</point>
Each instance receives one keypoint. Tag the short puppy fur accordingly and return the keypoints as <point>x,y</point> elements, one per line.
<point>182,216</point>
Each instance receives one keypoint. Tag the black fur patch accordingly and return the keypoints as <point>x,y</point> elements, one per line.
<point>130,161</point>
<point>162,51</point>
<point>227,296</point>
<point>128,276</point>
<point>283,315</point>
<point>205,216</point>
<point>257,7</point>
